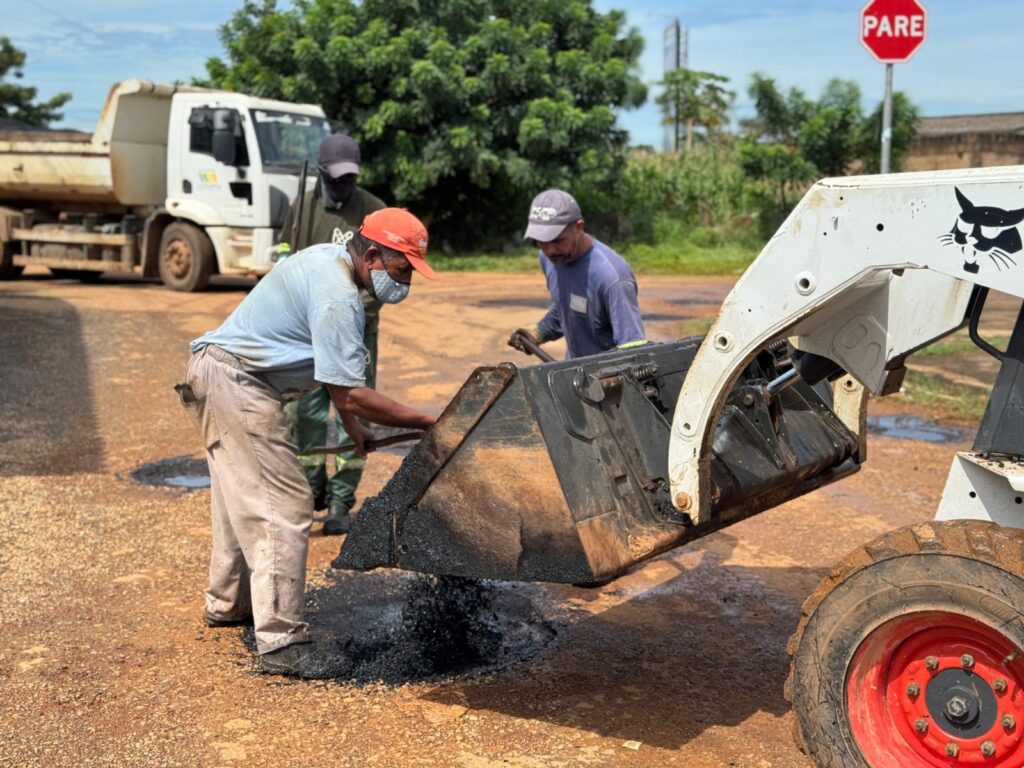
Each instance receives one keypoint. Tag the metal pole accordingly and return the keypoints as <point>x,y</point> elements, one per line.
<point>678,46</point>
<point>887,122</point>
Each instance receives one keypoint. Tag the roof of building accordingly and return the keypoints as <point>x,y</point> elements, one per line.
<point>1001,122</point>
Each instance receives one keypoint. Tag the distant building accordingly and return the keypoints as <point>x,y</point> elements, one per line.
<point>967,141</point>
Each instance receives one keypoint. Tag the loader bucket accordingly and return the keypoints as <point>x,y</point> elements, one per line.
<point>557,472</point>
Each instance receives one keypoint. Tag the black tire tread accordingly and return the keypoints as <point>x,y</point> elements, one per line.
<point>204,265</point>
<point>972,539</point>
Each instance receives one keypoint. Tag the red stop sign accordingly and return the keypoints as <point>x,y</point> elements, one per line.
<point>892,29</point>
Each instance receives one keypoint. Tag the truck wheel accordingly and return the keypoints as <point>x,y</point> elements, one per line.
<point>186,257</point>
<point>909,652</point>
<point>85,275</point>
<point>7,269</point>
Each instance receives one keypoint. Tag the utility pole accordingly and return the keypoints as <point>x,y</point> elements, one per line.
<point>676,43</point>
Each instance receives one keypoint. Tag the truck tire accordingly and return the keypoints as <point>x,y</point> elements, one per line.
<point>909,652</point>
<point>186,257</point>
<point>7,269</point>
<point>85,275</point>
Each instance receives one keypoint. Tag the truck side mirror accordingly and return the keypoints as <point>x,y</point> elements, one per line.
<point>225,126</point>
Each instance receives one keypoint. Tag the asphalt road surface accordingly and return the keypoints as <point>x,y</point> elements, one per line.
<point>104,660</point>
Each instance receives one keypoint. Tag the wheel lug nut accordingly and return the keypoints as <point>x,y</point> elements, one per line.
<point>967,661</point>
<point>1009,722</point>
<point>913,690</point>
<point>956,709</point>
<point>988,748</point>
<point>932,663</point>
<point>952,749</point>
<point>921,725</point>
<point>999,685</point>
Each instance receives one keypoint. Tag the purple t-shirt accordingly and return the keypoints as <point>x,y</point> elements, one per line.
<point>594,302</point>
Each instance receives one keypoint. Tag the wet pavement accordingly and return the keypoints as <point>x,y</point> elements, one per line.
<point>905,427</point>
<point>106,661</point>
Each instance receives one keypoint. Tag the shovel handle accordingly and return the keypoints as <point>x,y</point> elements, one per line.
<point>532,348</point>
<point>401,437</point>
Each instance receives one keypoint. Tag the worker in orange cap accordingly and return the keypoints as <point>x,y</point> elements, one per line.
<point>300,326</point>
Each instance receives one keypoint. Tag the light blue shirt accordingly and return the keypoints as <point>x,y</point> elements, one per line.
<point>301,324</point>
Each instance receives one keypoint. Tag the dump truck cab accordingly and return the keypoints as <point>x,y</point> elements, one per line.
<point>232,167</point>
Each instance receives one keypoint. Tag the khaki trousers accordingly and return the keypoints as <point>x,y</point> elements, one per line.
<point>261,507</point>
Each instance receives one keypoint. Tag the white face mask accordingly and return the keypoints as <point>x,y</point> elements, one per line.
<point>386,288</point>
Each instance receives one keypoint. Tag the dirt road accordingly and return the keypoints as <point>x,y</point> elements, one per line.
<point>104,659</point>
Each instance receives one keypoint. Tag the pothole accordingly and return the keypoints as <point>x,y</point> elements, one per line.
<point>176,472</point>
<point>914,428</point>
<point>396,627</point>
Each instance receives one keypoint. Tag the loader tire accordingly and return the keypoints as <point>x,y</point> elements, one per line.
<point>907,652</point>
<point>186,257</point>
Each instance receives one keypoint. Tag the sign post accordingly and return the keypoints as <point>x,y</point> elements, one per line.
<point>892,30</point>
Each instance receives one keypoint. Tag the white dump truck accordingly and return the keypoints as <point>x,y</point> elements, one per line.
<point>176,181</point>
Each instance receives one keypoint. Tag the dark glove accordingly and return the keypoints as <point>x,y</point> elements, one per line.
<point>531,332</point>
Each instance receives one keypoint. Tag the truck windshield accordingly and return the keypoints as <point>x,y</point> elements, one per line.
<point>286,139</point>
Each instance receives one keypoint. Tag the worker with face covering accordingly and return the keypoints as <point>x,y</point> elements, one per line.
<point>301,325</point>
<point>333,210</point>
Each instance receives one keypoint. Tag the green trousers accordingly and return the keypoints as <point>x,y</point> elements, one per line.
<point>312,423</point>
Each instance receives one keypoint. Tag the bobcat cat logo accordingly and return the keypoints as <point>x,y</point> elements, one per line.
<point>984,229</point>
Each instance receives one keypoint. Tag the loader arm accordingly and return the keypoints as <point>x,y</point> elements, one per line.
<point>864,271</point>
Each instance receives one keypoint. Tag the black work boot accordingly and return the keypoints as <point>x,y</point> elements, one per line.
<point>303,660</point>
<point>216,621</point>
<point>338,520</point>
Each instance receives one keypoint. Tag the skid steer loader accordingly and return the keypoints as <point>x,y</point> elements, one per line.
<point>909,652</point>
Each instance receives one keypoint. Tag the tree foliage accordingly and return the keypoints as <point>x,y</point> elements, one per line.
<point>16,101</point>
<point>832,133</point>
<point>905,115</point>
<point>694,98</point>
<point>464,109</point>
<point>793,139</point>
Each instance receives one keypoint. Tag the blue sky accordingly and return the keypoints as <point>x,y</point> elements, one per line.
<point>972,61</point>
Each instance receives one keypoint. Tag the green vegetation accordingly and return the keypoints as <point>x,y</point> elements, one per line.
<point>690,255</point>
<point>694,326</point>
<point>960,343</point>
<point>16,101</point>
<point>464,109</point>
<point>948,399</point>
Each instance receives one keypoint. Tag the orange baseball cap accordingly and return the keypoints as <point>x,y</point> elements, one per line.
<point>398,229</point>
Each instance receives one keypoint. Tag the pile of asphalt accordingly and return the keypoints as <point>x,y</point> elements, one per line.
<point>395,627</point>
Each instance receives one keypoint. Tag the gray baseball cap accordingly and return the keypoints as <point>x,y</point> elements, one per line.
<point>550,213</point>
<point>338,155</point>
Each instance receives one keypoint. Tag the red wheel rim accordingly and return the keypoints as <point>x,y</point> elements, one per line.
<point>932,689</point>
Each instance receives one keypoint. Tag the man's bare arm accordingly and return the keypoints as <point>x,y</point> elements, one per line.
<point>370,405</point>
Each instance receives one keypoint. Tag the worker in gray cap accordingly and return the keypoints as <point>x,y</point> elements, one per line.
<point>593,290</point>
<point>331,212</point>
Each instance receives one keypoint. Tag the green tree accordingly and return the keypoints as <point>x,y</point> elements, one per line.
<point>16,101</point>
<point>694,98</point>
<point>832,133</point>
<point>905,116</point>
<point>464,109</point>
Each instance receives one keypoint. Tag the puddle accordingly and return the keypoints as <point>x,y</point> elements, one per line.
<point>914,428</point>
<point>177,472</point>
<point>396,627</point>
